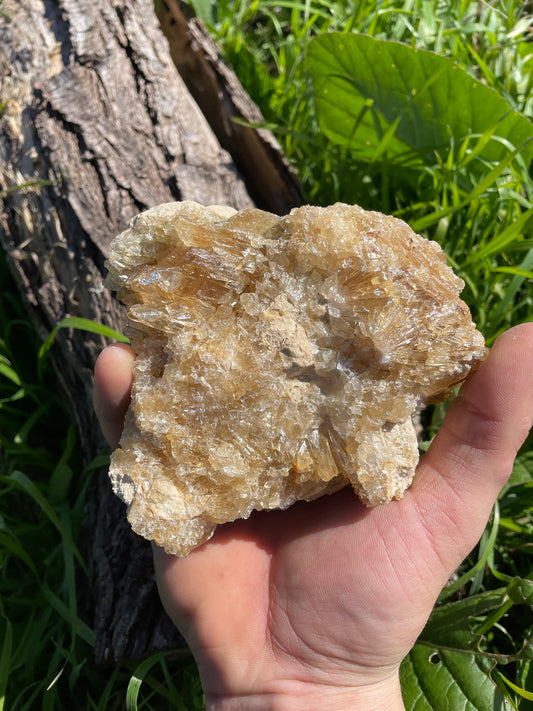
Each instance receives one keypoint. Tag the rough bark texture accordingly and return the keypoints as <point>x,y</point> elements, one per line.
<point>94,105</point>
<point>257,155</point>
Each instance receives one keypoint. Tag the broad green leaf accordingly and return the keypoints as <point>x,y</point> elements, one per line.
<point>520,591</point>
<point>205,10</point>
<point>450,625</point>
<point>517,501</point>
<point>522,469</point>
<point>447,681</point>
<point>454,627</point>
<point>362,86</point>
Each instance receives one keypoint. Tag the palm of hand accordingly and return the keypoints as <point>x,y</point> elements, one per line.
<point>283,593</point>
<point>329,593</point>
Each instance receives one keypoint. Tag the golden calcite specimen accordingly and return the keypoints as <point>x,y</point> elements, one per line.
<point>278,359</point>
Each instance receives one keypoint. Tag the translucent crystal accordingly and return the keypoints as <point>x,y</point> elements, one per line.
<point>278,359</point>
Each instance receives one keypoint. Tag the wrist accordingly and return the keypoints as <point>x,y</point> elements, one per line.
<point>299,696</point>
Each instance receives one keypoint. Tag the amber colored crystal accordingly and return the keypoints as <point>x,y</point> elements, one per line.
<point>278,359</point>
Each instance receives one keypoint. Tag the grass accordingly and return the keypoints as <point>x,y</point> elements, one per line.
<point>479,210</point>
<point>45,645</point>
<point>445,198</point>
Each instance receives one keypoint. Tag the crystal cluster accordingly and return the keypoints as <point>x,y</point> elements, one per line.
<point>278,359</point>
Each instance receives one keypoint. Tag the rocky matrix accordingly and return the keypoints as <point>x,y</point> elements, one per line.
<point>278,359</point>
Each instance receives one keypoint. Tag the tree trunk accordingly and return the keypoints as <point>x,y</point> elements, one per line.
<point>222,99</point>
<point>95,106</point>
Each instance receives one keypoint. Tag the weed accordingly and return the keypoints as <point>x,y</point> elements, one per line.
<point>479,209</point>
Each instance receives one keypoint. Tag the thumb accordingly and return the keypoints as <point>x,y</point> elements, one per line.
<point>112,386</point>
<point>472,456</point>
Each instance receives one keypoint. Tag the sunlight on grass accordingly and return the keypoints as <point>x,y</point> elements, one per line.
<point>478,208</point>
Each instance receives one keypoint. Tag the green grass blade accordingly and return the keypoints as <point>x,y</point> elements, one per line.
<point>514,270</point>
<point>25,484</point>
<point>521,692</point>
<point>29,703</point>
<point>30,184</point>
<point>382,146</point>
<point>70,572</point>
<point>28,425</point>
<point>62,474</point>
<point>483,185</point>
<point>18,395</point>
<point>82,324</point>
<point>74,622</point>
<point>512,289</point>
<point>7,371</point>
<point>494,617</point>
<point>499,242</point>
<point>134,686</point>
<point>103,703</point>
<point>5,660</point>
<point>422,223</point>
<point>10,543</point>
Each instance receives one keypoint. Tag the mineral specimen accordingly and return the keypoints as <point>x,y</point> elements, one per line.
<point>278,359</point>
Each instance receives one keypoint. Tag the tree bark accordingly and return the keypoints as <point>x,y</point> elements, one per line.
<point>95,107</point>
<point>219,94</point>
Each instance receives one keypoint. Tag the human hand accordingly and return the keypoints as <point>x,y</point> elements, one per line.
<point>315,607</point>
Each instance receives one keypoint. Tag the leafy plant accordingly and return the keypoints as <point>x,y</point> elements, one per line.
<point>420,115</point>
<point>468,186</point>
<point>45,642</point>
<point>383,98</point>
<point>423,109</point>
